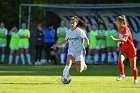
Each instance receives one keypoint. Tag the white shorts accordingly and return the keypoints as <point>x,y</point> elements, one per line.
<point>62,46</point>
<point>100,47</point>
<point>2,45</point>
<point>78,56</point>
<point>25,47</point>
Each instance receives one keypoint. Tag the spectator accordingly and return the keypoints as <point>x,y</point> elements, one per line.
<point>49,35</point>
<point>39,37</point>
<point>14,45</point>
<point>3,40</point>
<point>55,56</point>
<point>24,35</point>
<point>61,32</point>
<point>93,44</point>
<point>111,45</point>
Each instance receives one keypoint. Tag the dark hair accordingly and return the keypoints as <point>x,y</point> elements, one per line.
<point>81,23</point>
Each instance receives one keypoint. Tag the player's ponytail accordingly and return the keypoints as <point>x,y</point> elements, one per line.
<point>125,22</point>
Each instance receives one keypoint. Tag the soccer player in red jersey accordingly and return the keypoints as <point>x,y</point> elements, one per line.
<point>127,48</point>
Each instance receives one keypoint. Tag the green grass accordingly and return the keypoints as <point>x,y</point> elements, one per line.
<point>46,79</point>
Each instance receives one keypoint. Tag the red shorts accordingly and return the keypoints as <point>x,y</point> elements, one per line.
<point>130,52</point>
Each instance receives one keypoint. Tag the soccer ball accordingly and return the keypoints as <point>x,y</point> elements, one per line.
<point>66,79</point>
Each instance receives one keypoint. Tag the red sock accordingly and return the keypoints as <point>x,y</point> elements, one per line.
<point>121,67</point>
<point>135,73</point>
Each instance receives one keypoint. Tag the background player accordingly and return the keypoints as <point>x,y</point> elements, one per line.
<point>24,35</point>
<point>3,40</point>
<point>61,32</point>
<point>111,44</point>
<point>14,44</point>
<point>92,51</point>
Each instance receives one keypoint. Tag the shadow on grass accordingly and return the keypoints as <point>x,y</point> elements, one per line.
<point>93,70</point>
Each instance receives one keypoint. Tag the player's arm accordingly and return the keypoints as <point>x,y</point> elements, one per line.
<point>22,36</point>
<point>124,39</point>
<point>60,35</point>
<point>87,40</point>
<point>3,36</point>
<point>61,43</point>
<point>25,36</point>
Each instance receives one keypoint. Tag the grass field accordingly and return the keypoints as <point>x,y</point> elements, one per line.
<point>46,79</point>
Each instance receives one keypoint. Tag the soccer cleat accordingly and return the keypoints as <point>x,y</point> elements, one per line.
<point>135,82</point>
<point>120,77</point>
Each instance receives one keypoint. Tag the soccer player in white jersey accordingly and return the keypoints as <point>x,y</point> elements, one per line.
<point>76,51</point>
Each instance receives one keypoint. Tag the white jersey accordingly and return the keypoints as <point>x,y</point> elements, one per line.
<point>75,39</point>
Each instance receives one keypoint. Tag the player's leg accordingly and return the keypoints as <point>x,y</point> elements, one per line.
<point>115,56</point>
<point>22,55</point>
<point>96,55</point>
<point>134,69</point>
<point>28,54</point>
<point>70,58</point>
<point>17,56</point>
<point>103,55</point>
<point>80,61</point>
<point>88,59</point>
<point>11,56</point>
<point>3,53</point>
<point>81,66</point>
<point>109,55</point>
<point>121,58</point>
<point>40,53</point>
<point>62,53</point>
<point>36,53</point>
<point>56,56</point>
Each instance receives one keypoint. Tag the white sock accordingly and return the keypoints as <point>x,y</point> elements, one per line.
<point>2,57</point>
<point>29,59</point>
<point>96,58</point>
<point>22,59</point>
<point>88,59</point>
<point>66,70</point>
<point>115,56</point>
<point>17,58</point>
<point>62,56</point>
<point>109,57</point>
<point>103,57</point>
<point>10,59</point>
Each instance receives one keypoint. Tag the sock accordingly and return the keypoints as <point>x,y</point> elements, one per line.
<point>29,59</point>
<point>96,58</point>
<point>109,57</point>
<point>121,67</point>
<point>2,57</point>
<point>115,57</point>
<point>17,58</point>
<point>88,59</point>
<point>22,59</point>
<point>10,59</point>
<point>62,56</point>
<point>103,57</point>
<point>66,70</point>
<point>135,73</point>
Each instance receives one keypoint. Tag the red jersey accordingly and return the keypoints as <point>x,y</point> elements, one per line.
<point>127,47</point>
